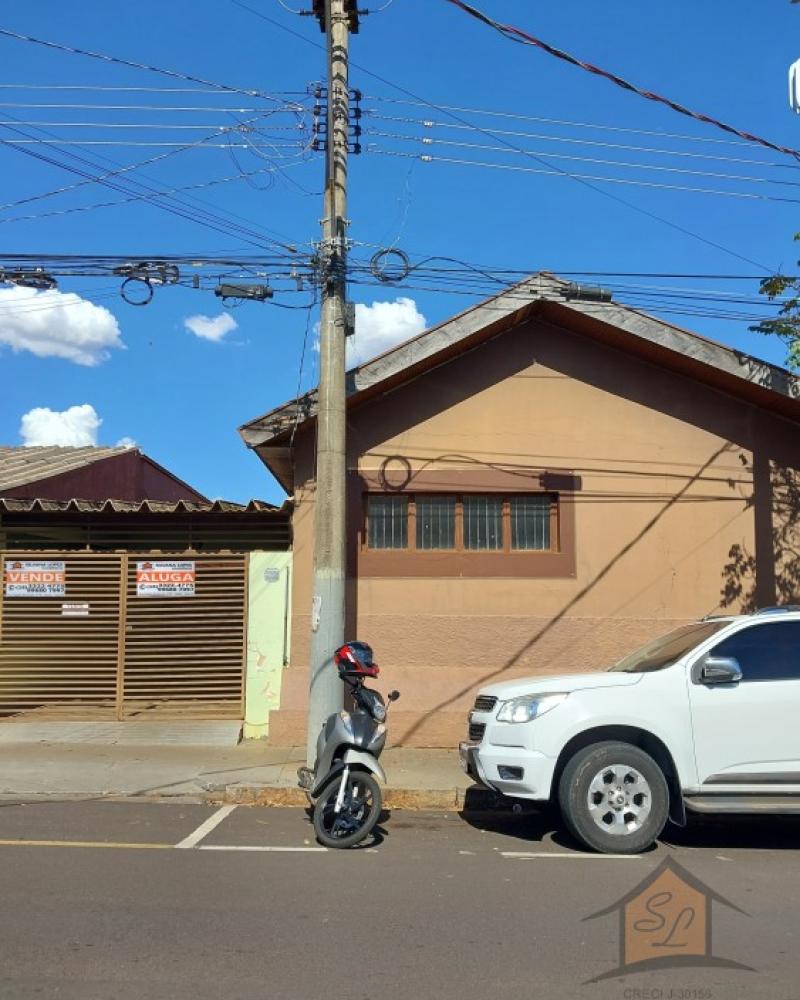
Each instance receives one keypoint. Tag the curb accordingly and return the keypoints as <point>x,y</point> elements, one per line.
<point>438,800</point>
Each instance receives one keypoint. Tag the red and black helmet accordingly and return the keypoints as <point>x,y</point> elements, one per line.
<point>354,659</point>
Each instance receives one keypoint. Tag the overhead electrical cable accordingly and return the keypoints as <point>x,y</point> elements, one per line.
<point>432,141</point>
<point>215,182</point>
<point>516,116</point>
<point>111,173</point>
<point>171,204</point>
<point>143,90</point>
<point>104,57</point>
<point>488,132</point>
<point>599,143</point>
<point>518,35</point>
<point>133,107</point>
<point>588,177</point>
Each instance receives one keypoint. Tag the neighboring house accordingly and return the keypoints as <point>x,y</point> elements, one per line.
<point>128,597</point>
<point>538,485</point>
<point>59,473</point>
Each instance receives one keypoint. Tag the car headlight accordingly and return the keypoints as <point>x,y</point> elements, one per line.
<point>528,707</point>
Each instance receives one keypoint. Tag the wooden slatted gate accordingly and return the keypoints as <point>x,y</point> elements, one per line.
<point>130,656</point>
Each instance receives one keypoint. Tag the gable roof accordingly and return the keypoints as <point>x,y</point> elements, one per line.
<point>20,466</point>
<point>550,298</point>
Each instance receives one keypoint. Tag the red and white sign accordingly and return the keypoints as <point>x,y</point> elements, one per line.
<point>165,579</point>
<point>35,579</point>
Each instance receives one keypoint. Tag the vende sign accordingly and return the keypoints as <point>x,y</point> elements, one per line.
<point>35,579</point>
<point>165,579</point>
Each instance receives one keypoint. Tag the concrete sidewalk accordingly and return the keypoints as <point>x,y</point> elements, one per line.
<point>251,773</point>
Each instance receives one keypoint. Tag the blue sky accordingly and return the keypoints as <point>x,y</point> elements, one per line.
<point>180,396</point>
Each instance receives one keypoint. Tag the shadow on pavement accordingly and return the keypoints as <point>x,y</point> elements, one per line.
<point>764,832</point>
<point>531,825</point>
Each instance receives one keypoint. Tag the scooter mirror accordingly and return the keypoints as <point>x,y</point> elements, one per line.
<point>393,695</point>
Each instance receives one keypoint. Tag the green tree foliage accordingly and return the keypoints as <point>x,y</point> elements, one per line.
<point>786,324</point>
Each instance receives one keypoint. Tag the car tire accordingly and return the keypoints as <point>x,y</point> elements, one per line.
<point>614,798</point>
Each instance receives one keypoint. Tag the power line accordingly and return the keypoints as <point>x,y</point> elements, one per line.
<point>104,57</point>
<point>658,150</point>
<point>146,143</point>
<point>211,220</point>
<point>142,90</point>
<point>523,37</point>
<point>142,197</point>
<point>176,126</point>
<point>487,132</point>
<point>111,173</point>
<point>426,158</point>
<point>136,107</point>
<point>557,121</point>
<point>432,141</point>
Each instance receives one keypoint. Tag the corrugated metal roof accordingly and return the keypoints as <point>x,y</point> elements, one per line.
<point>21,466</point>
<point>12,506</point>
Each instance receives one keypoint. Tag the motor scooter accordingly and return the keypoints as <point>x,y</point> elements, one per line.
<point>341,787</point>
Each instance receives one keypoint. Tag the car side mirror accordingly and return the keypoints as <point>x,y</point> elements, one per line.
<point>719,670</point>
<point>393,695</point>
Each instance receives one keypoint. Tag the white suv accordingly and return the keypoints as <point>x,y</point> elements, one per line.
<point>706,718</point>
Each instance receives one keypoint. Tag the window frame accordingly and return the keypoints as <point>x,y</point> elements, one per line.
<point>459,545</point>
<point>396,476</point>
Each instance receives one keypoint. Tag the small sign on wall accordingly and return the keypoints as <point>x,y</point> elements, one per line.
<point>165,579</point>
<point>72,609</point>
<point>35,579</point>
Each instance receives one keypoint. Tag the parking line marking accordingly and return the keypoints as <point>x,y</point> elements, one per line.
<point>530,855</point>
<point>262,847</point>
<point>84,843</point>
<point>205,828</point>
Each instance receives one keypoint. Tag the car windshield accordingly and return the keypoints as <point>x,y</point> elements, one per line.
<point>668,649</point>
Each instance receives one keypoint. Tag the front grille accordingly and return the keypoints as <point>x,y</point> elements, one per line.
<point>476,731</point>
<point>485,703</point>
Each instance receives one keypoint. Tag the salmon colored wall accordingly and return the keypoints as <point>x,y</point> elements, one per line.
<point>666,471</point>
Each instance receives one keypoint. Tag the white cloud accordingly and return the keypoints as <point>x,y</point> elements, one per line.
<point>76,426</point>
<point>382,326</point>
<point>55,324</point>
<point>125,442</point>
<point>211,327</point>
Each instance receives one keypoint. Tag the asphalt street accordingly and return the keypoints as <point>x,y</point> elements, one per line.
<point>166,901</point>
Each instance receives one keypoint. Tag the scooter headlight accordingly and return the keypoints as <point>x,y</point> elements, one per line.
<point>379,712</point>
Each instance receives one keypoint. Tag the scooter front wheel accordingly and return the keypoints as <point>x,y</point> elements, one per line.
<point>359,809</point>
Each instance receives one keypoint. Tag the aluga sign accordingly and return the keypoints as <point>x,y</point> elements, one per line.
<point>165,579</point>
<point>35,579</point>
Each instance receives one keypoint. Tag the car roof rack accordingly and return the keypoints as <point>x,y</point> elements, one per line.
<point>777,609</point>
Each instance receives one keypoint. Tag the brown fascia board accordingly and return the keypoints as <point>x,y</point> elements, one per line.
<point>431,347</point>
<point>767,385</point>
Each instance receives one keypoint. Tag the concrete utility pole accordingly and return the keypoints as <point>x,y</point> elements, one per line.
<point>330,515</point>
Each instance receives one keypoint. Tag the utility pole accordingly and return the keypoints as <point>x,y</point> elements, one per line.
<point>325,695</point>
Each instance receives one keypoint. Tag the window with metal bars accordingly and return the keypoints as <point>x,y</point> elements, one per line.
<point>463,522</point>
<point>387,522</point>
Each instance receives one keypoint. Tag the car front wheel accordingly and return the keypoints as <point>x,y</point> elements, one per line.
<point>614,798</point>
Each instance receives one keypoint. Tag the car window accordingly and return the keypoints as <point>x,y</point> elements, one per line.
<point>668,649</point>
<point>765,652</point>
